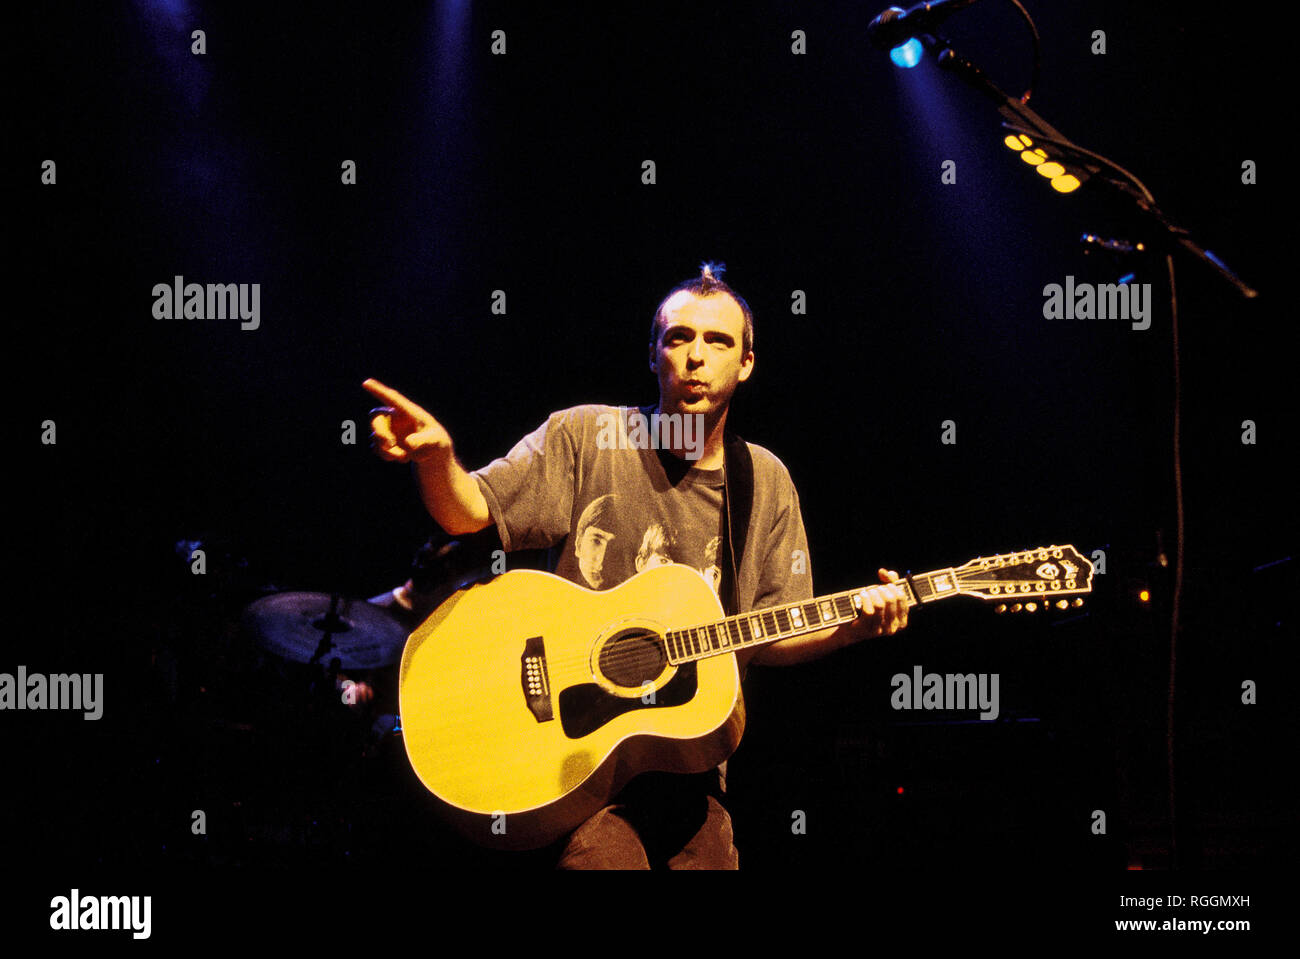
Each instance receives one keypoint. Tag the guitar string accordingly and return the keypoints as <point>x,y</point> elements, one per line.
<point>723,625</point>
<point>623,657</point>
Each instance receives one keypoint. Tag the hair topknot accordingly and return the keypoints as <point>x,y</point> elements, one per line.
<point>709,283</point>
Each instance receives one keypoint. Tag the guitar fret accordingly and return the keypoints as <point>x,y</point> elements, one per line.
<point>923,585</point>
<point>776,623</point>
<point>936,584</point>
<point>735,632</point>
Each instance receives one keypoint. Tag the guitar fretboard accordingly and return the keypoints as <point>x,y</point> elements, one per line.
<point>794,619</point>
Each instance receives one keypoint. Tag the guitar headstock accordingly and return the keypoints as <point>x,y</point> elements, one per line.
<point>1028,579</point>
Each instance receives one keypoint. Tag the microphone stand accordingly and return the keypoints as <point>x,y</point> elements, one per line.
<point>1021,119</point>
<point>1171,237</point>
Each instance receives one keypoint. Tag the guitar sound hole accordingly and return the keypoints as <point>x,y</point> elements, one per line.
<point>633,657</point>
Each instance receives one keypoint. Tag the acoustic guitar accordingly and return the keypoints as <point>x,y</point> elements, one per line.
<point>527,702</point>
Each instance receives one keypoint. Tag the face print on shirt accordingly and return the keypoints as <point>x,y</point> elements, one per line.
<point>712,571</point>
<point>656,548</point>
<point>593,539</point>
<point>609,549</point>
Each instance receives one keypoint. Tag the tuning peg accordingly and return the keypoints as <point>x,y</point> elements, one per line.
<point>1000,608</point>
<point>1079,601</point>
<point>1062,604</point>
<point>1016,607</point>
<point>1031,607</point>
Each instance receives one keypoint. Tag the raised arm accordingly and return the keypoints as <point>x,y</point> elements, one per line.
<point>403,432</point>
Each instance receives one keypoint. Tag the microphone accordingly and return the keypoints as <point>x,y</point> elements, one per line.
<point>895,27</point>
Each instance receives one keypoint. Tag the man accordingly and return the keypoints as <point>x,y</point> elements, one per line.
<point>618,506</point>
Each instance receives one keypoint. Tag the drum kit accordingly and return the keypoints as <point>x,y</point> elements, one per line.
<point>316,698</point>
<point>327,630</point>
<point>298,732</point>
<point>326,652</point>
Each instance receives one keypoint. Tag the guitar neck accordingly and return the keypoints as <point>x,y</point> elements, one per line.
<point>775,623</point>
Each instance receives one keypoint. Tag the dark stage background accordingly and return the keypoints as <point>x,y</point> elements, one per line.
<point>522,173</point>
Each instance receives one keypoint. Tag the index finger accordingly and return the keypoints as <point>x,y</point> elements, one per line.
<point>389,395</point>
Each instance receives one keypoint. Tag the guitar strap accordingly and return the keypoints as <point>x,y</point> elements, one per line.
<point>737,503</point>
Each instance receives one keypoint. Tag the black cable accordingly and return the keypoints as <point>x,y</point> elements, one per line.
<point>1178,480</point>
<point>1038,52</point>
<point>1178,567</point>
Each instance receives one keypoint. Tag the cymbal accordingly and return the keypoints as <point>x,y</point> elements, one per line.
<point>295,626</point>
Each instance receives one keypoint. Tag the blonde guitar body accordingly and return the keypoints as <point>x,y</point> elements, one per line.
<point>527,702</point>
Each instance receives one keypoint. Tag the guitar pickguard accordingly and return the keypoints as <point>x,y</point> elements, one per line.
<point>586,707</point>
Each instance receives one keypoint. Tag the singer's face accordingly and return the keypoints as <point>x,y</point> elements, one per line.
<point>699,355</point>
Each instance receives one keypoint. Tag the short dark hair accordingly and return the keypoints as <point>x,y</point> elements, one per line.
<point>598,513</point>
<point>708,283</point>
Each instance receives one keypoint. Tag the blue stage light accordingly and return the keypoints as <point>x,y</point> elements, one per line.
<point>908,55</point>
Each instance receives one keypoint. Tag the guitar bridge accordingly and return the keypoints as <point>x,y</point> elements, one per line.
<point>535,680</point>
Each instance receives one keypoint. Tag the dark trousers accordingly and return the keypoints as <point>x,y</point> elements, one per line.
<point>658,821</point>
